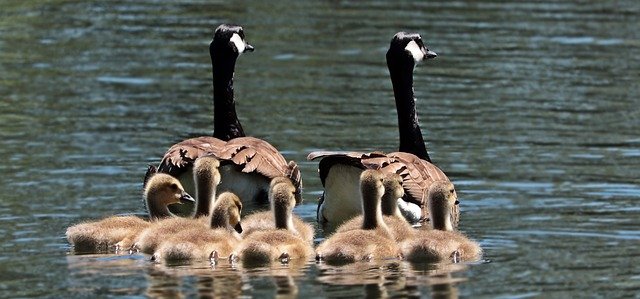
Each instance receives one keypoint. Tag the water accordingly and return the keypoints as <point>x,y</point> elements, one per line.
<point>531,109</point>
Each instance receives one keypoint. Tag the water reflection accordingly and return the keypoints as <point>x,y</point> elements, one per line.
<point>393,278</point>
<point>199,278</point>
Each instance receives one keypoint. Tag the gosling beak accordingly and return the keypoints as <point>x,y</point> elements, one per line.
<point>456,203</point>
<point>430,55</point>
<point>238,228</point>
<point>248,48</point>
<point>186,198</point>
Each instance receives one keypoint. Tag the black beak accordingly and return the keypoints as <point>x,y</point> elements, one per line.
<point>430,55</point>
<point>238,228</point>
<point>457,203</point>
<point>186,198</point>
<point>248,48</point>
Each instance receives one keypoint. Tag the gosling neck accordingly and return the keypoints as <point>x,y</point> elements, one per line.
<point>440,216</point>
<point>205,193</point>
<point>401,72</point>
<point>226,125</point>
<point>372,212</point>
<point>282,215</point>
<point>390,205</point>
<point>157,209</point>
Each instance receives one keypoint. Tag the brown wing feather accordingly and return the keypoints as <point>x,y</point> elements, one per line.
<point>182,154</point>
<point>257,155</point>
<point>252,154</point>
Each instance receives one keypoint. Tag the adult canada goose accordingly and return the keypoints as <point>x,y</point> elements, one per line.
<point>339,171</point>
<point>207,177</point>
<point>373,240</point>
<point>160,191</point>
<point>283,241</point>
<point>442,243</point>
<point>266,220</point>
<point>200,242</point>
<point>397,224</point>
<point>247,163</point>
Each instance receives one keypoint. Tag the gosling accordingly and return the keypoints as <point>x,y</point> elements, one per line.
<point>398,225</point>
<point>442,243</point>
<point>373,240</point>
<point>281,242</point>
<point>160,191</point>
<point>206,177</point>
<point>199,242</point>
<point>266,220</point>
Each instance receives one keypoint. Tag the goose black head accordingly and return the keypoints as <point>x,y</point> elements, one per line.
<point>409,45</point>
<point>229,39</point>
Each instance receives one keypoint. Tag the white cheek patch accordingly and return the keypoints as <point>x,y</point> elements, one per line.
<point>413,48</point>
<point>238,42</point>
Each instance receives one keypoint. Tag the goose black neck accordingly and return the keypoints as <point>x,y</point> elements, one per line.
<point>401,71</point>
<point>225,120</point>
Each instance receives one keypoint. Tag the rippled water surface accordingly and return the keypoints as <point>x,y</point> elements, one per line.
<point>533,110</point>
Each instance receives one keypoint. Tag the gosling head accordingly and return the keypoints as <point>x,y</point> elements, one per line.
<point>392,192</point>
<point>441,199</point>
<point>409,46</point>
<point>372,181</point>
<point>229,38</point>
<point>232,207</point>
<point>282,192</point>
<point>207,167</point>
<point>164,189</point>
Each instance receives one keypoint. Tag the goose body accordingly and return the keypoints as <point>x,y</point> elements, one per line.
<point>397,224</point>
<point>338,170</point>
<point>281,240</point>
<point>247,163</point>
<point>160,191</point>
<point>373,240</point>
<point>202,242</point>
<point>442,243</point>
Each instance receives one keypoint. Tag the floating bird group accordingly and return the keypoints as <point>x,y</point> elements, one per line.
<point>374,206</point>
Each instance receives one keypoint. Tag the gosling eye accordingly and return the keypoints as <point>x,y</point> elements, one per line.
<point>174,187</point>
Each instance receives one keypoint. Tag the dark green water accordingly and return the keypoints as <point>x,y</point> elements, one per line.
<point>533,110</point>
